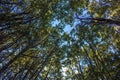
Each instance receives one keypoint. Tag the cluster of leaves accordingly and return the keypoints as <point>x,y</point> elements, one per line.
<point>35,46</point>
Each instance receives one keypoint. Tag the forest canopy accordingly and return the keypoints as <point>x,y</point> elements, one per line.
<point>59,39</point>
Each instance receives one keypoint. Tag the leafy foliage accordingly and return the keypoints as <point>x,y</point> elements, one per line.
<point>34,43</point>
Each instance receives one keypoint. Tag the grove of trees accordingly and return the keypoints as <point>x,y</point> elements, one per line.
<point>59,39</point>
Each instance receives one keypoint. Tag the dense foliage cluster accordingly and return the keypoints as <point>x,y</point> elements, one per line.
<point>59,40</point>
